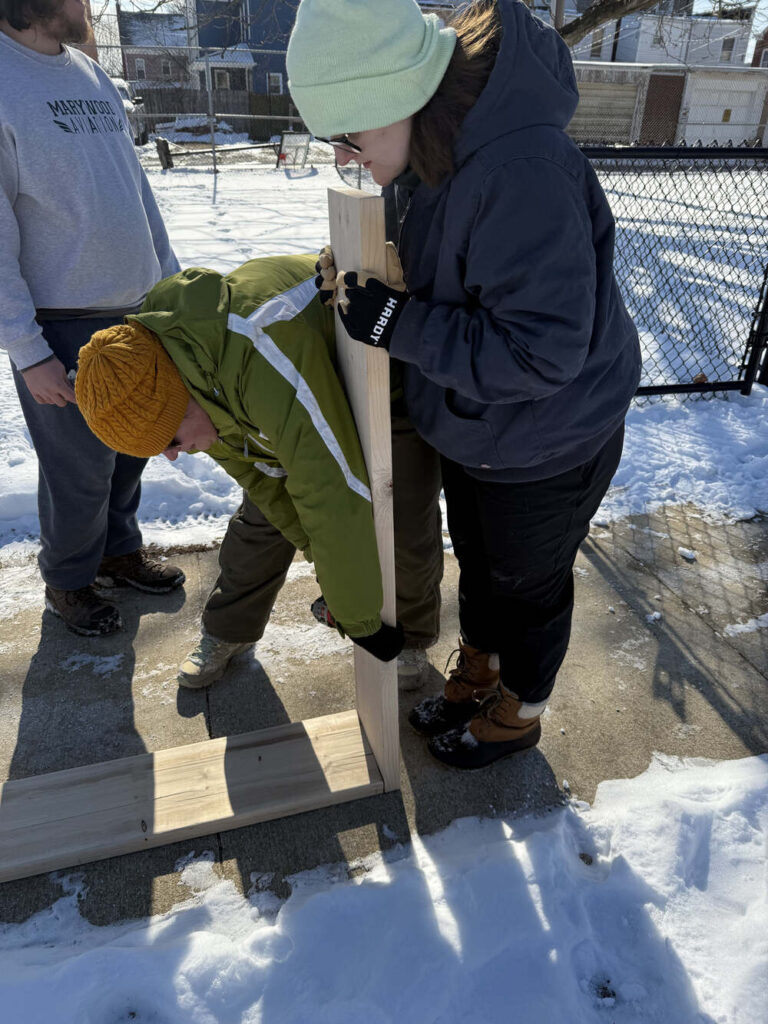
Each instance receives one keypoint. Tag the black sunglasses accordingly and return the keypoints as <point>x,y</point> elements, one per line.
<point>341,142</point>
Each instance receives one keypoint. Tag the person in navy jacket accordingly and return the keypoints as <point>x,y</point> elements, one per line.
<point>519,359</point>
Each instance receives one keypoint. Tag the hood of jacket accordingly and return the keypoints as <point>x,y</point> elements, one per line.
<point>532,83</point>
<point>190,310</point>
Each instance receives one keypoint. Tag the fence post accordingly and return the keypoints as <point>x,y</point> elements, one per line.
<point>211,117</point>
<point>164,152</point>
<point>755,366</point>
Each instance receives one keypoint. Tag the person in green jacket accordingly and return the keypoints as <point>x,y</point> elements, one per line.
<point>242,366</point>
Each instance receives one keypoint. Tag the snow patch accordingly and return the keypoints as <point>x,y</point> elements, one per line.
<point>752,626</point>
<point>605,911</point>
<point>104,665</point>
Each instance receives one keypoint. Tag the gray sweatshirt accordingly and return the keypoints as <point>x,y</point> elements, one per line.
<point>79,226</point>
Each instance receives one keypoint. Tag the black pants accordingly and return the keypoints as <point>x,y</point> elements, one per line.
<point>516,544</point>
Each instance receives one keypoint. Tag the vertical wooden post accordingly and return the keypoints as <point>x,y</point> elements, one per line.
<point>358,241</point>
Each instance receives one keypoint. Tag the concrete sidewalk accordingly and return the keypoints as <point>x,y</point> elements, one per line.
<point>657,663</point>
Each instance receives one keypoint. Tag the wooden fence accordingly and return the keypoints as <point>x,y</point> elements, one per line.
<point>163,105</point>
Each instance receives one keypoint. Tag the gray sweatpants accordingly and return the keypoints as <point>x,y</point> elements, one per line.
<point>87,495</point>
<point>255,557</point>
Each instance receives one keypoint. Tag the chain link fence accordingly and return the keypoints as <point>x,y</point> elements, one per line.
<point>691,260</point>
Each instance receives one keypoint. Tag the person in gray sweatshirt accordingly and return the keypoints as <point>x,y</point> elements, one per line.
<point>81,243</point>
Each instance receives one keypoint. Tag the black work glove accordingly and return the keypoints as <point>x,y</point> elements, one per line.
<point>385,644</point>
<point>368,306</point>
<point>325,282</point>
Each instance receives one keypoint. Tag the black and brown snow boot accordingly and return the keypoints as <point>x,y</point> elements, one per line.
<point>475,675</point>
<point>83,611</point>
<point>138,569</point>
<point>502,725</point>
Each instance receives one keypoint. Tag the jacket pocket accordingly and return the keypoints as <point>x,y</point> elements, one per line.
<point>516,435</point>
<point>466,436</point>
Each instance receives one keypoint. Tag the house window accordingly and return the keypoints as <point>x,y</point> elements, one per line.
<point>658,35</point>
<point>220,79</point>
<point>727,51</point>
<point>597,43</point>
<point>764,59</point>
<point>141,70</point>
<point>275,83</point>
<point>726,116</point>
<point>166,68</point>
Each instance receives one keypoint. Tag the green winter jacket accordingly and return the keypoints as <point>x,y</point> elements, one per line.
<point>256,349</point>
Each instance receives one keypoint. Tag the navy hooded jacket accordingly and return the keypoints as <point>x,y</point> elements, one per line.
<point>519,357</point>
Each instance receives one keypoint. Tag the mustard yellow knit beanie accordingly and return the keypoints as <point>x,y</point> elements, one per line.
<point>129,391</point>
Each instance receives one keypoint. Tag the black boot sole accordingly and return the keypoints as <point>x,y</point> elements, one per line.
<point>107,581</point>
<point>441,725</point>
<point>472,758</point>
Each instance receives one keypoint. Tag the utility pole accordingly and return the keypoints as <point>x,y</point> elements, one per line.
<point>211,117</point>
<point>559,14</point>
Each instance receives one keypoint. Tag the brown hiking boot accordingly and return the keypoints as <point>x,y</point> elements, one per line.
<point>476,673</point>
<point>138,569</point>
<point>83,611</point>
<point>502,725</point>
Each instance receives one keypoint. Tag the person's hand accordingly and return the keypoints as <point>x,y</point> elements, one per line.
<point>385,644</point>
<point>369,307</point>
<point>48,383</point>
<point>325,282</point>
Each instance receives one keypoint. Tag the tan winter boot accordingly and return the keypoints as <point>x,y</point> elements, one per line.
<point>208,661</point>
<point>476,673</point>
<point>502,725</point>
<point>412,669</point>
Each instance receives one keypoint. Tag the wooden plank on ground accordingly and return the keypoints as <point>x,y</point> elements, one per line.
<point>54,821</point>
<point>358,241</point>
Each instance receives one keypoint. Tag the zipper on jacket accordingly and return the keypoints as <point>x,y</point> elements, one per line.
<point>401,236</point>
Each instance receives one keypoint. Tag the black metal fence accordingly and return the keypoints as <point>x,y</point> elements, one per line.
<point>691,260</point>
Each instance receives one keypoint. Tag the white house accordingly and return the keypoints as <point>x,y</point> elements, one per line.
<point>670,33</point>
<point>657,37</point>
<point>690,39</point>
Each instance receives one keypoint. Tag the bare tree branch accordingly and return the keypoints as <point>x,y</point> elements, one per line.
<point>610,10</point>
<point>598,14</point>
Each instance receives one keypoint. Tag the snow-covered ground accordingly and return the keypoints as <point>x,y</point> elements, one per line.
<point>650,906</point>
<point>710,453</point>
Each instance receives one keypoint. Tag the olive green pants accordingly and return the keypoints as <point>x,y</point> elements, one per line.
<point>254,557</point>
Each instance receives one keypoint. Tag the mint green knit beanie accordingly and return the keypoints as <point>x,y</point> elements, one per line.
<point>360,64</point>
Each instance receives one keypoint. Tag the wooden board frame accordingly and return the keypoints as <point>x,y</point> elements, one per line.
<point>65,818</point>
